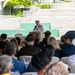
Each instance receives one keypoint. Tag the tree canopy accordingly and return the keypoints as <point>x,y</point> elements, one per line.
<point>21,2</point>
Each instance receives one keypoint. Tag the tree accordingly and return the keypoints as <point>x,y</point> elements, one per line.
<point>21,2</point>
<point>39,1</point>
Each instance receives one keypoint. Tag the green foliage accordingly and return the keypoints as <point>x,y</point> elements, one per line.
<point>9,6</point>
<point>19,13</point>
<point>21,2</point>
<point>66,0</point>
<point>43,6</point>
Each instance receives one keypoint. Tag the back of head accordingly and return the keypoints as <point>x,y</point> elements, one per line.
<point>5,64</point>
<point>29,40</point>
<point>30,34</point>
<point>3,36</point>
<point>10,48</point>
<point>52,41</point>
<point>47,34</point>
<point>15,41</point>
<point>57,68</point>
<point>19,40</point>
<point>45,41</point>
<point>62,38</point>
<point>70,35</point>
<point>49,50</point>
<point>42,58</point>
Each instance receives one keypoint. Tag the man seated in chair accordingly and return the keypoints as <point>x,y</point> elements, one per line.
<point>29,49</point>
<point>10,50</point>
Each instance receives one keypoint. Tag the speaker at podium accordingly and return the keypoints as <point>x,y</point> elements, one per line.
<point>37,35</point>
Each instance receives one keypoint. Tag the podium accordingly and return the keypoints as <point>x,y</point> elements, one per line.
<point>36,35</point>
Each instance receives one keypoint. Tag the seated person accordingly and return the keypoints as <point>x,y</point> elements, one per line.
<point>6,66</point>
<point>57,68</point>
<point>14,40</point>
<point>44,41</point>
<point>29,49</point>
<point>52,41</point>
<point>41,59</point>
<point>19,43</point>
<point>67,47</point>
<point>3,41</point>
<point>10,50</point>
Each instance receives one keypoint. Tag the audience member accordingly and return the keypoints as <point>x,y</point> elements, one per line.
<point>6,66</point>
<point>10,49</point>
<point>57,68</point>
<point>41,59</point>
<point>16,43</point>
<point>36,39</point>
<point>4,37</point>
<point>19,43</point>
<point>44,42</point>
<point>68,48</point>
<point>3,41</point>
<point>52,41</point>
<point>36,42</point>
<point>29,49</point>
<point>47,34</point>
<point>62,39</point>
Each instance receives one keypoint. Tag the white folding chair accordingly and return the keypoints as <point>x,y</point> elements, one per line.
<point>25,59</point>
<point>64,60</point>
<point>72,68</point>
<point>54,59</point>
<point>71,74</point>
<point>30,73</point>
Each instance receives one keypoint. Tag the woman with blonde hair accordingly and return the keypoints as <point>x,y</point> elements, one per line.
<point>52,41</point>
<point>58,68</point>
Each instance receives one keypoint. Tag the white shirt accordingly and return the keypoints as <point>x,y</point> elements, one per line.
<point>39,28</point>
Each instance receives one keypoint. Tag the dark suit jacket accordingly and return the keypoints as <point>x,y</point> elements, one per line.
<point>68,50</point>
<point>28,50</point>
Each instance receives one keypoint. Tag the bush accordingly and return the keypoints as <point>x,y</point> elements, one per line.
<point>67,0</point>
<point>18,13</point>
<point>43,6</point>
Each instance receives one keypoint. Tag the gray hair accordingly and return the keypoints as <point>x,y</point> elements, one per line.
<point>5,64</point>
<point>57,68</point>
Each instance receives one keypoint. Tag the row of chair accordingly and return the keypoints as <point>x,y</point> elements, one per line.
<point>35,73</point>
<point>27,60</point>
